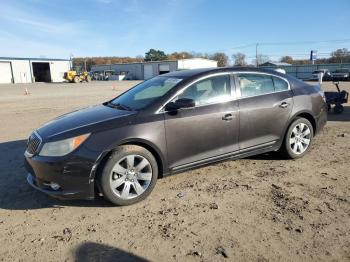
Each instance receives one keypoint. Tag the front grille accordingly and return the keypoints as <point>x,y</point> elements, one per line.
<point>33,143</point>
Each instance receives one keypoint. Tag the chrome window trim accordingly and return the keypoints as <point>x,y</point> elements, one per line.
<point>238,88</point>
<point>233,96</point>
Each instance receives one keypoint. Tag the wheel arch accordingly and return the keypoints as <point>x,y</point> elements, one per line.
<point>153,149</point>
<point>103,158</point>
<point>304,114</point>
<point>307,115</point>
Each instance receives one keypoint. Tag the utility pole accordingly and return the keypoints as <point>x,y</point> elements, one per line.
<point>71,61</point>
<point>256,55</point>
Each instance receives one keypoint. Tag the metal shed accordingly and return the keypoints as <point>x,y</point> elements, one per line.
<point>29,70</point>
<point>146,70</point>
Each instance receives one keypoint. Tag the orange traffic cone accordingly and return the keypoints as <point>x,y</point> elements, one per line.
<point>26,91</point>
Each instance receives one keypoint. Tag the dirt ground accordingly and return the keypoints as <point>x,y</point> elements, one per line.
<point>263,208</point>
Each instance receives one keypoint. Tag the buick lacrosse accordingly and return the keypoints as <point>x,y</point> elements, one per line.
<point>171,123</point>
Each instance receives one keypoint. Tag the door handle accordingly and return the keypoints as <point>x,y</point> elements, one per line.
<point>227,117</point>
<point>284,105</point>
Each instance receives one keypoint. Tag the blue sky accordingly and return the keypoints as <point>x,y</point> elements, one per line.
<point>34,28</point>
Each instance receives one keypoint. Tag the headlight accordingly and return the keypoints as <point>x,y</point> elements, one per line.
<point>62,147</point>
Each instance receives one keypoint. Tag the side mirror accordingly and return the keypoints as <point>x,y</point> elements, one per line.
<point>180,103</point>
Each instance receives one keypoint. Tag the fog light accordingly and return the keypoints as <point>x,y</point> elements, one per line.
<point>55,186</point>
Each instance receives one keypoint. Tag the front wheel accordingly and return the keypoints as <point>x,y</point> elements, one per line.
<point>76,79</point>
<point>298,138</point>
<point>129,175</point>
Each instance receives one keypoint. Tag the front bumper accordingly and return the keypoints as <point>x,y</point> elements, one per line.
<point>72,175</point>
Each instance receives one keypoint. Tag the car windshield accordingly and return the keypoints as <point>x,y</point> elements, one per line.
<point>145,93</point>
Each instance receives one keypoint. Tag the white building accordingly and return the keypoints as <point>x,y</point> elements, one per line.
<point>29,70</point>
<point>145,70</point>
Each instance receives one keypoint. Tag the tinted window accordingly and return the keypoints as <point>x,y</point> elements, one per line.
<point>211,90</point>
<point>255,84</point>
<point>147,92</point>
<point>280,84</point>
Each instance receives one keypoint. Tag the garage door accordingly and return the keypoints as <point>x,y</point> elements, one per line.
<point>5,73</point>
<point>147,71</point>
<point>163,69</point>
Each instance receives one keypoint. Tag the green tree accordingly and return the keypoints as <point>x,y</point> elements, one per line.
<point>155,55</point>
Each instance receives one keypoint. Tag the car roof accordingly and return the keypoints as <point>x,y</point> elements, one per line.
<point>204,71</point>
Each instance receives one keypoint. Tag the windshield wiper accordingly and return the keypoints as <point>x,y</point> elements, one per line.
<point>119,106</point>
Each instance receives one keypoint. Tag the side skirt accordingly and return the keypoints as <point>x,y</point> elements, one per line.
<point>268,147</point>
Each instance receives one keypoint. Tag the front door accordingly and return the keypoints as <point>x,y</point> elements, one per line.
<point>209,129</point>
<point>265,105</point>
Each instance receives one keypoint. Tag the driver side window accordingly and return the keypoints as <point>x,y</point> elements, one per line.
<point>212,90</point>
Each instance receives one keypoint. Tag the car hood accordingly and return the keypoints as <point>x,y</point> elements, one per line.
<point>86,120</point>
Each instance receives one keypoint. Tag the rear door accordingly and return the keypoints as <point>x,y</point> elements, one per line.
<point>209,129</point>
<point>265,104</point>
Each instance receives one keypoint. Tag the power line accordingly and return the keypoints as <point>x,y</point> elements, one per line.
<point>291,43</point>
<point>306,42</point>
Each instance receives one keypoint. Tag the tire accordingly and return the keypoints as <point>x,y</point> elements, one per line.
<point>303,138</point>
<point>338,109</point>
<point>129,175</point>
<point>76,79</point>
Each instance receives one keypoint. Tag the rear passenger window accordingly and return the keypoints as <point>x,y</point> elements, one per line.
<point>280,85</point>
<point>255,84</point>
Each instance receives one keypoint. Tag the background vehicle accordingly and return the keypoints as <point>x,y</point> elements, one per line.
<point>169,124</point>
<point>74,77</point>
<point>342,74</point>
<point>327,76</point>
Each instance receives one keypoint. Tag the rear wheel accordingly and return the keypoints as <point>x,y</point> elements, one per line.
<point>129,175</point>
<point>298,138</point>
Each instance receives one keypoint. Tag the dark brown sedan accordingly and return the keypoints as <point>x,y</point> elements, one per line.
<point>171,123</point>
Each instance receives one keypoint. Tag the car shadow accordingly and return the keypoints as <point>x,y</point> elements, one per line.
<point>268,156</point>
<point>17,194</point>
<point>345,116</point>
<point>93,252</point>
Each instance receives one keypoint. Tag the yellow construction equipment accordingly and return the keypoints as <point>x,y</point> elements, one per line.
<point>74,77</point>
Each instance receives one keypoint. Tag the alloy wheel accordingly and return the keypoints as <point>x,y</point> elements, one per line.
<point>300,138</point>
<point>131,176</point>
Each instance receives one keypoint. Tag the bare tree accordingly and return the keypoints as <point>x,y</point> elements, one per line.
<point>340,56</point>
<point>287,59</point>
<point>221,58</point>
<point>239,59</point>
<point>261,59</point>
